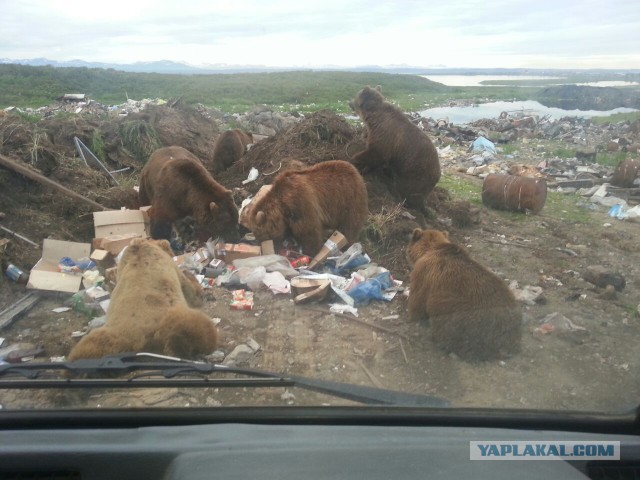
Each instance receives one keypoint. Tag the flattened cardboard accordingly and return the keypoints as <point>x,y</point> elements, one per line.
<point>45,275</point>
<point>235,251</point>
<point>118,222</point>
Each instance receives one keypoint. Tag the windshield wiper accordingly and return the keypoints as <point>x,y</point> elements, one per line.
<point>148,370</point>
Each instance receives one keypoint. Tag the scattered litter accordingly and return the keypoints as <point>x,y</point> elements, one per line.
<point>242,300</point>
<point>342,308</point>
<point>253,175</point>
<point>61,309</point>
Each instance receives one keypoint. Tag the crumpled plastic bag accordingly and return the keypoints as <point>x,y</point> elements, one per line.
<point>481,144</point>
<point>371,289</point>
<point>272,263</point>
<point>349,260</point>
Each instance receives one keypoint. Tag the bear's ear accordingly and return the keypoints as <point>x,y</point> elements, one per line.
<point>214,208</point>
<point>379,88</point>
<point>260,218</point>
<point>416,235</point>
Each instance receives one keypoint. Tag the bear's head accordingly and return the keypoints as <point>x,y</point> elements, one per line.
<point>366,100</point>
<point>267,223</point>
<point>424,240</point>
<point>218,215</point>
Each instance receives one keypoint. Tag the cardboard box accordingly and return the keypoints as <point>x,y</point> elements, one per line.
<point>45,275</point>
<point>114,244</point>
<point>102,258</point>
<point>235,251</point>
<point>331,247</point>
<point>246,211</point>
<point>118,222</point>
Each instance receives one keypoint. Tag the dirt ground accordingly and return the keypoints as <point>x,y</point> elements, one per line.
<point>594,368</point>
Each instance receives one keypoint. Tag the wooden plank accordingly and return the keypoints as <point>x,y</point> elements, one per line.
<point>15,311</point>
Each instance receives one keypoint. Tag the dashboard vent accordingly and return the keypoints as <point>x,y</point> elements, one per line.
<point>614,470</point>
<point>40,476</point>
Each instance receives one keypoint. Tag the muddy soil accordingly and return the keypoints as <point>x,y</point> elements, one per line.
<point>593,368</point>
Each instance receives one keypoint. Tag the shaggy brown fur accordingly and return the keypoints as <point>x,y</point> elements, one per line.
<point>148,311</point>
<point>176,185</point>
<point>305,203</point>
<point>230,146</point>
<point>395,143</point>
<point>471,311</point>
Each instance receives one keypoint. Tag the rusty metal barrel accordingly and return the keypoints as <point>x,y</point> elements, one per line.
<point>510,192</point>
<point>625,173</point>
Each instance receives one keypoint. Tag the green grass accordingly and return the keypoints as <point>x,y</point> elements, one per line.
<point>563,206</point>
<point>508,149</point>
<point>617,117</point>
<point>610,159</point>
<point>462,188</point>
<point>304,91</point>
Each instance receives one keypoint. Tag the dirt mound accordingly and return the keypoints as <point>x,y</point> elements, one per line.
<point>326,136</point>
<point>47,145</point>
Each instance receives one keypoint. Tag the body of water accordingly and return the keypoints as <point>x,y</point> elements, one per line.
<point>474,80</point>
<point>467,114</point>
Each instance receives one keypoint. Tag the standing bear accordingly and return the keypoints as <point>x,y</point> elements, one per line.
<point>306,203</point>
<point>149,311</point>
<point>229,147</point>
<point>471,311</point>
<point>395,144</point>
<point>176,185</point>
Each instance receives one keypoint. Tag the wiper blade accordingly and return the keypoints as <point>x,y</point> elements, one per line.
<point>151,370</point>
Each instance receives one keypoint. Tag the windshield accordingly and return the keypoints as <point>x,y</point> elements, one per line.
<point>437,200</point>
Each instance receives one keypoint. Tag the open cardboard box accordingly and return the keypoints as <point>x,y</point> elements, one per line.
<point>118,222</point>
<point>115,229</point>
<point>45,275</point>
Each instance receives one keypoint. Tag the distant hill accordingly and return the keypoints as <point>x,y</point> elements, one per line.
<point>171,67</point>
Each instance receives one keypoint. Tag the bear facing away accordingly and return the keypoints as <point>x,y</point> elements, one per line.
<point>394,143</point>
<point>306,203</point>
<point>471,311</point>
<point>176,185</point>
<point>148,311</point>
<point>229,147</point>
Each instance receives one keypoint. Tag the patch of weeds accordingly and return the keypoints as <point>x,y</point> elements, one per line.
<point>377,228</point>
<point>563,206</point>
<point>617,117</point>
<point>610,159</point>
<point>562,152</point>
<point>508,149</point>
<point>462,188</point>
<point>28,117</point>
<point>140,138</point>
<point>97,145</point>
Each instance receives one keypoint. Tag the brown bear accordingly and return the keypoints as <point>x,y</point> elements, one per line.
<point>395,144</point>
<point>176,185</point>
<point>306,203</point>
<point>148,311</point>
<point>471,311</point>
<point>229,147</point>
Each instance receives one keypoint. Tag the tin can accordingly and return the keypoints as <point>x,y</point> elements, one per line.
<point>510,192</point>
<point>15,274</point>
<point>300,262</point>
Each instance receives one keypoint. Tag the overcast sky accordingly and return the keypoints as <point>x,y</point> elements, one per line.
<point>425,33</point>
